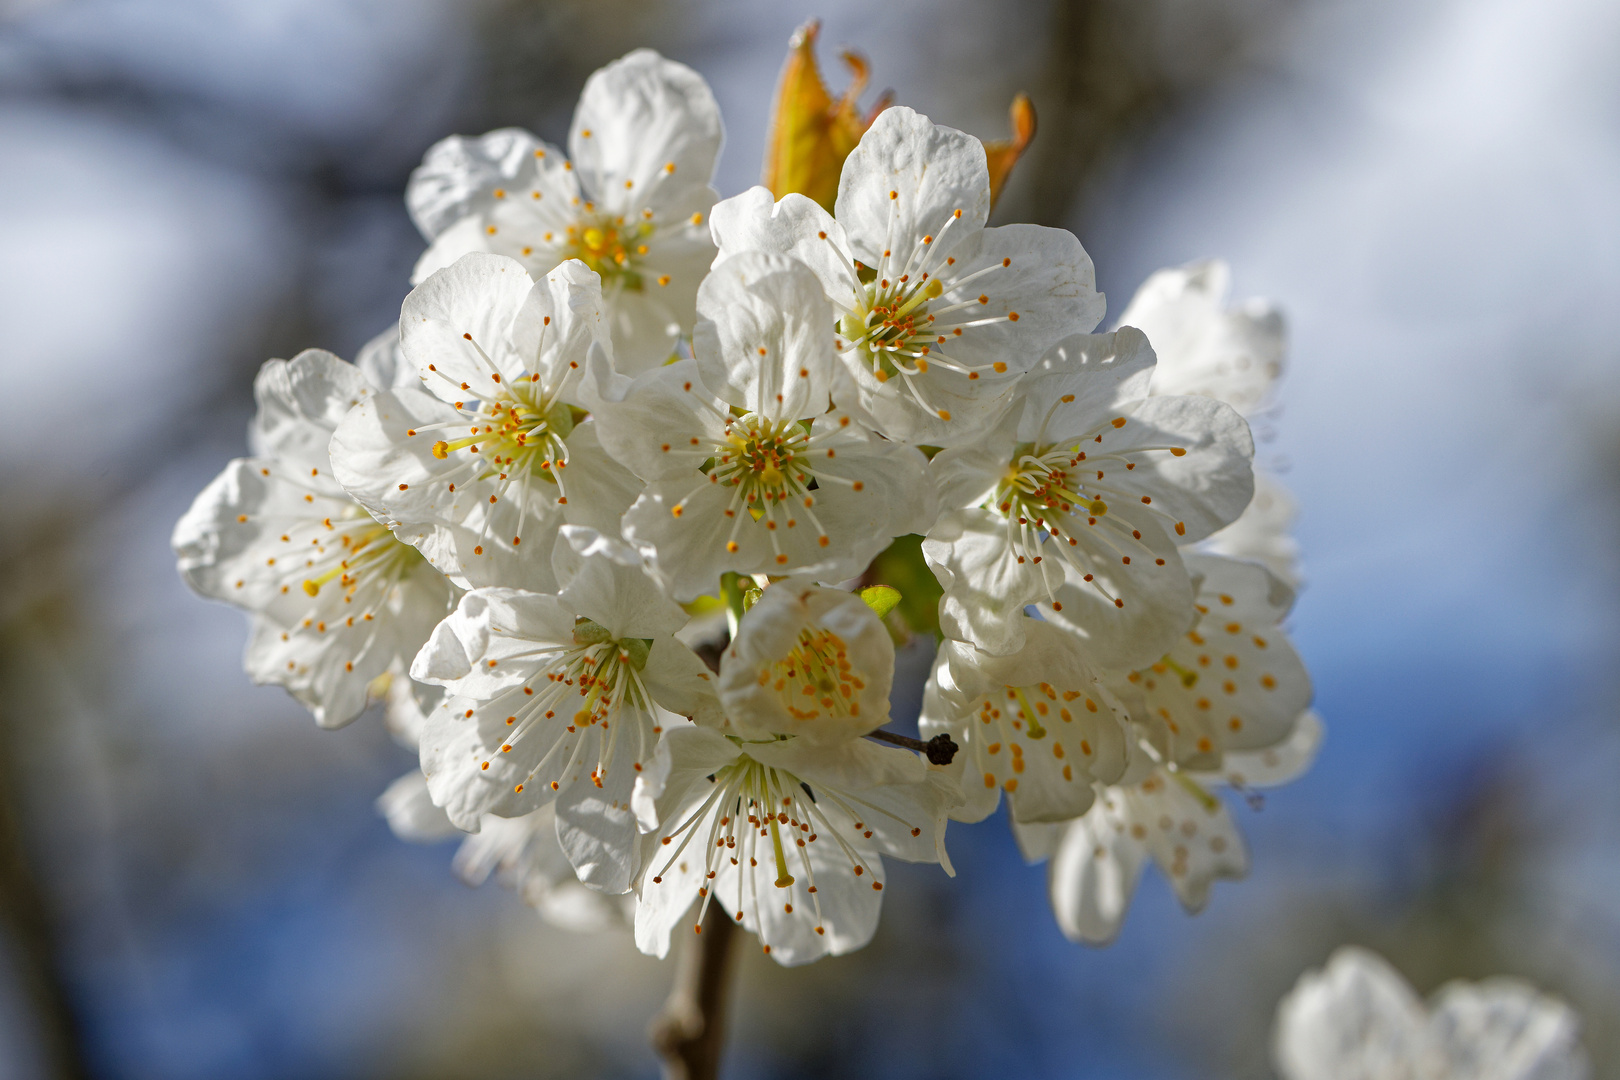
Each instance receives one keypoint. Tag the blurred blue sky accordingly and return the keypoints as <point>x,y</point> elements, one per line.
<point>1429,190</point>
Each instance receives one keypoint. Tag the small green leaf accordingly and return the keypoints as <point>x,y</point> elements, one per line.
<point>902,565</point>
<point>881,599</point>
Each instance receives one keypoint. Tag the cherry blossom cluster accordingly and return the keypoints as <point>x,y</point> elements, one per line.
<point>603,521</point>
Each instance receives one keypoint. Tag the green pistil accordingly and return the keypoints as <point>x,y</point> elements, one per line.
<point>1036,731</point>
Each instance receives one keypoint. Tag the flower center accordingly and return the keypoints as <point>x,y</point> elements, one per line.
<point>895,325</point>
<point>1062,493</point>
<point>611,248</point>
<point>816,677</point>
<point>758,820</point>
<point>354,550</point>
<point>514,435</point>
<point>765,460</point>
<point>1022,712</point>
<point>602,671</point>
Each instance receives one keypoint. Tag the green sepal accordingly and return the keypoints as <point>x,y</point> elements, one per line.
<point>881,599</point>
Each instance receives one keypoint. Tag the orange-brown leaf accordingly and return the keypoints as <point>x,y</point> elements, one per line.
<point>1002,155</point>
<point>811,131</point>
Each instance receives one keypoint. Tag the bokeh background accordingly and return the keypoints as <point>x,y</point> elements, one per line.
<point>193,879</point>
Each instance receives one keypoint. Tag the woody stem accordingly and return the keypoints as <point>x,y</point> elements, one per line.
<point>689,1035</point>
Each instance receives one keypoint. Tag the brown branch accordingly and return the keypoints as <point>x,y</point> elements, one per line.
<point>940,750</point>
<point>25,916</point>
<point>689,1035</point>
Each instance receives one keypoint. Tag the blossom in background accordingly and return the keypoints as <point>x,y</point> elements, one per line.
<point>335,599</point>
<point>787,837</point>
<point>746,468</point>
<point>1170,815</point>
<point>480,473</point>
<point>1357,1019</point>
<point>1076,499</point>
<point>630,199</point>
<point>808,661</point>
<point>1233,681</point>
<point>937,315</point>
<point>1038,723</point>
<point>560,698</point>
<point>1231,354</point>
<point>523,853</point>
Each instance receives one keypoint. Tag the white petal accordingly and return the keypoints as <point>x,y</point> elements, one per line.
<point>1203,489</point>
<point>561,318</point>
<point>1205,348</point>
<point>598,832</point>
<point>680,683</point>
<point>411,813</point>
<point>459,175</point>
<point>1092,878</point>
<point>1262,532</point>
<point>1278,764</point>
<point>605,582</point>
<point>804,635</point>
<point>906,179</point>
<point>648,423</point>
<point>796,227</point>
<point>637,116</point>
<point>986,586</point>
<point>300,403</point>
<point>1505,1028</point>
<point>456,326</point>
<point>1081,382</point>
<point>765,339</point>
<point>1355,1019</point>
<point>599,489</point>
<point>1128,615</point>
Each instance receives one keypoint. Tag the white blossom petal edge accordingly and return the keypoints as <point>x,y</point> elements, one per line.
<point>336,600</point>
<point>1357,1019</point>
<point>632,204</point>
<point>937,315</point>
<point>785,836</point>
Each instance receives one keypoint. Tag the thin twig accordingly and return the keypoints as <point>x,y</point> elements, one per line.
<point>689,1035</point>
<point>940,750</point>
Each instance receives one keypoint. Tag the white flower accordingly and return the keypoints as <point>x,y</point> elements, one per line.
<point>786,486</point>
<point>808,661</point>
<point>383,362</point>
<point>1171,816</point>
<point>523,853</point>
<point>1357,1019</point>
<point>1231,354</point>
<point>336,600</point>
<point>786,836</point>
<point>1038,723</point>
<point>1261,533</point>
<point>560,698</point>
<point>480,473</point>
<point>631,204</point>
<point>1204,347</point>
<point>1077,498</point>
<point>1233,681</point>
<point>938,315</point>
